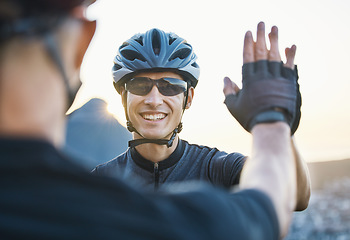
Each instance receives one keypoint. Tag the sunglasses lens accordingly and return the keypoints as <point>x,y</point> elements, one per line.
<point>166,86</point>
<point>171,86</point>
<point>139,86</point>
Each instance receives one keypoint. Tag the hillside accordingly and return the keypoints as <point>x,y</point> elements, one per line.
<point>324,172</point>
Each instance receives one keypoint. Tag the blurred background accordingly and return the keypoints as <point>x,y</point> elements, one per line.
<point>319,28</point>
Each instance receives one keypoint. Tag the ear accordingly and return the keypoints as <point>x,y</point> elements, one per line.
<point>87,32</point>
<point>190,97</point>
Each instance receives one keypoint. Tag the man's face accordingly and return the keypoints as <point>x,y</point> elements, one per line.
<point>154,115</point>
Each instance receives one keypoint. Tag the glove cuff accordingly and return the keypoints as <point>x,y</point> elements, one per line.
<point>268,117</point>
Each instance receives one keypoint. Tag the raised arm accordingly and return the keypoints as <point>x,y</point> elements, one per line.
<point>303,180</point>
<point>267,107</point>
<point>271,169</point>
<point>302,171</point>
<point>258,52</point>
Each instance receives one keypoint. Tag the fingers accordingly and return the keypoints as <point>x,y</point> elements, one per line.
<point>290,55</point>
<point>229,87</point>
<point>260,47</point>
<point>274,53</point>
<point>255,51</point>
<point>248,48</point>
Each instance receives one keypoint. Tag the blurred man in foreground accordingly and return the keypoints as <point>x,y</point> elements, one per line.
<point>46,196</point>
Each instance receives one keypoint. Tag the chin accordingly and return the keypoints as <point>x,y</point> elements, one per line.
<point>156,135</point>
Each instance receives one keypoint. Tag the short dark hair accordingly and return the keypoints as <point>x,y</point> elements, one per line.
<point>33,17</point>
<point>28,8</point>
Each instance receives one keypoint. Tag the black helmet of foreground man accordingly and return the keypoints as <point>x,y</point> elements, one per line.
<point>155,51</point>
<point>40,18</point>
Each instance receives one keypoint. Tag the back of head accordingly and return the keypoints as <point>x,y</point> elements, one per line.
<point>40,43</point>
<point>33,17</point>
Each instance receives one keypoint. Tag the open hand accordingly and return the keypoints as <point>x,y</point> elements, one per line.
<point>270,90</point>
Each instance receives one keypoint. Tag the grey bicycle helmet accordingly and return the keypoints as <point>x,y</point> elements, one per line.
<point>152,51</point>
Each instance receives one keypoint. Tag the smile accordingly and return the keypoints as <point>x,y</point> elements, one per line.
<point>153,117</point>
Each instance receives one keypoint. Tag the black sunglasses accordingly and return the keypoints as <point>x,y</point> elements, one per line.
<point>166,86</point>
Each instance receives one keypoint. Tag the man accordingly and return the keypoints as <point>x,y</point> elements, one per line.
<point>45,196</point>
<point>156,73</point>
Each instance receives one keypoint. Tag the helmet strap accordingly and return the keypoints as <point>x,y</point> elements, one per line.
<point>51,47</point>
<point>168,143</point>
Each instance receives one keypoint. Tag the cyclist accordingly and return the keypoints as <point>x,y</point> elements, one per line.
<point>156,73</point>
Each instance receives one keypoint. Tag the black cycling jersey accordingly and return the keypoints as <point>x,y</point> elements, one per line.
<point>46,196</point>
<point>187,162</point>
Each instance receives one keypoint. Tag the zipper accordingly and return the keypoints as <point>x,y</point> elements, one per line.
<point>156,176</point>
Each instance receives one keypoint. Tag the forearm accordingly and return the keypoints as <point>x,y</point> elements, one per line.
<point>271,169</point>
<point>303,180</point>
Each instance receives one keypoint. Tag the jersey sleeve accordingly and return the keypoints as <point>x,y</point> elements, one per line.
<point>225,169</point>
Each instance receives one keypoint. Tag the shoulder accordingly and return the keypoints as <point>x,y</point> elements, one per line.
<point>252,206</point>
<point>211,151</point>
<point>239,213</point>
<point>190,147</point>
<point>115,163</point>
<point>256,206</point>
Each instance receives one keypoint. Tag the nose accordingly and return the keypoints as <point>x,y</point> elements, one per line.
<point>154,97</point>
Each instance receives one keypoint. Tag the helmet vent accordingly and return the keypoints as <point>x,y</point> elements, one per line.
<point>182,54</point>
<point>195,65</point>
<point>116,67</point>
<point>124,45</point>
<point>139,40</point>
<point>156,42</point>
<point>132,55</point>
<point>171,40</point>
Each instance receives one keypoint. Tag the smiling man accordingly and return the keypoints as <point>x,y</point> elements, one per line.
<point>156,73</point>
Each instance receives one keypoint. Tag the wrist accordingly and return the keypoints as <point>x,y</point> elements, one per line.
<point>279,127</point>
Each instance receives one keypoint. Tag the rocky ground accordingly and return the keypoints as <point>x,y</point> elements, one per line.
<point>328,215</point>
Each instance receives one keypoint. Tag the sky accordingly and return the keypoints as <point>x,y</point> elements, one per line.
<point>320,29</point>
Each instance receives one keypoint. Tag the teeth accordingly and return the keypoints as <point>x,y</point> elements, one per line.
<point>154,117</point>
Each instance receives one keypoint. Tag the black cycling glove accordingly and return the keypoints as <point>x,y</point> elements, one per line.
<point>270,93</point>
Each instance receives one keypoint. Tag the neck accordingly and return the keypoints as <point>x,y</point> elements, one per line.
<point>31,96</point>
<point>156,153</point>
